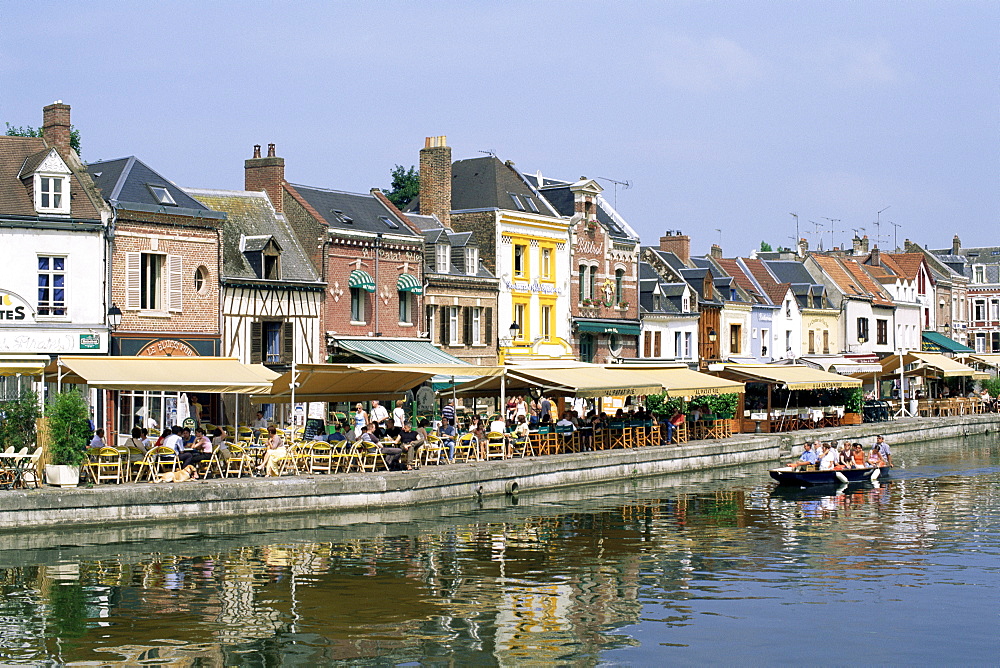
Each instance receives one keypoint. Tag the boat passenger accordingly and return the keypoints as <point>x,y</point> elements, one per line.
<point>807,458</point>
<point>875,457</point>
<point>829,459</point>
<point>858,456</point>
<point>883,449</point>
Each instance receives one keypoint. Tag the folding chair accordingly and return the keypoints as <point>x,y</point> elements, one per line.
<point>465,448</point>
<point>372,459</point>
<point>106,466</point>
<point>496,446</point>
<point>432,450</point>
<point>320,458</point>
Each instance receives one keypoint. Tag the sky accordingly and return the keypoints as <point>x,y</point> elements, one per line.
<point>724,118</point>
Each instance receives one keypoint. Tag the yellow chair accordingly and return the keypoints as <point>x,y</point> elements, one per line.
<point>496,446</point>
<point>372,459</point>
<point>320,458</point>
<point>432,450</point>
<point>237,461</point>
<point>106,465</point>
<point>465,448</point>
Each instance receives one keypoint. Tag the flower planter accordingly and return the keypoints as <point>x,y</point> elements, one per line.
<point>850,418</point>
<point>60,475</point>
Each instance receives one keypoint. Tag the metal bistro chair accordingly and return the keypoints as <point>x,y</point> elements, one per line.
<point>496,446</point>
<point>106,465</point>
<point>372,458</point>
<point>465,448</point>
<point>320,458</point>
<point>432,450</point>
<point>236,463</point>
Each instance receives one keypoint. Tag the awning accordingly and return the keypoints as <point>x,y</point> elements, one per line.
<point>681,381</point>
<point>606,327</point>
<point>792,377</point>
<point>25,365</point>
<point>934,342</point>
<point>409,283</point>
<point>358,382</point>
<point>988,360</point>
<point>167,374</point>
<point>941,366</point>
<point>361,279</point>
<point>398,351</point>
<point>840,364</point>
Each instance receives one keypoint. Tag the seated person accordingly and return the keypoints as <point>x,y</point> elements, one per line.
<point>201,449</point>
<point>807,458</point>
<point>338,435</point>
<point>449,435</point>
<point>498,426</point>
<point>676,420</point>
<point>829,459</point>
<point>410,441</point>
<point>564,422</point>
<point>875,457</point>
<point>858,456</point>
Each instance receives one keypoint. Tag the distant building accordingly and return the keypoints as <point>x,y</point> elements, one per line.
<point>981,267</point>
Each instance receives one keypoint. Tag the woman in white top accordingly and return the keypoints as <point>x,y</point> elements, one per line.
<point>275,450</point>
<point>829,459</point>
<point>360,419</point>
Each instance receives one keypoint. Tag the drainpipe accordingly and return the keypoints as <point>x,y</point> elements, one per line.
<point>378,249</point>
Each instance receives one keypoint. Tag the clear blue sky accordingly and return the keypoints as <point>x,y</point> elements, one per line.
<point>723,115</point>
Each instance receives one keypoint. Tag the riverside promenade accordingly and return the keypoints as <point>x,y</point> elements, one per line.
<point>49,507</point>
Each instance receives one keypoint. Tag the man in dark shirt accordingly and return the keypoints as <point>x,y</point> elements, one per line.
<point>448,412</point>
<point>410,441</point>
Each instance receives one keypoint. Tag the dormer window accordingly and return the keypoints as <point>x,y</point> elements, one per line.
<point>471,261</point>
<point>442,256</point>
<point>50,192</point>
<point>389,222</point>
<point>263,254</point>
<point>272,264</point>
<point>162,195</point>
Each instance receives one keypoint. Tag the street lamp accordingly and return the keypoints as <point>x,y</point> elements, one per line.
<point>712,336</point>
<point>514,330</point>
<point>114,316</point>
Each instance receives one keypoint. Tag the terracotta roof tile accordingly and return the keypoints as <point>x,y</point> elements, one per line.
<point>14,197</point>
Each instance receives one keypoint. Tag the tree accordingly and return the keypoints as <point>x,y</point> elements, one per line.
<point>405,186</point>
<point>28,131</point>
<point>17,428</point>
<point>765,247</point>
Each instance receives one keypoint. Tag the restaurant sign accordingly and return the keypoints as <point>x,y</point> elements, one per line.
<point>15,309</point>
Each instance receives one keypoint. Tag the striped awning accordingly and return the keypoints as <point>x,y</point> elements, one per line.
<point>409,283</point>
<point>361,279</point>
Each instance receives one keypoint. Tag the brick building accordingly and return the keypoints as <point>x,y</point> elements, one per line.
<point>165,278</point>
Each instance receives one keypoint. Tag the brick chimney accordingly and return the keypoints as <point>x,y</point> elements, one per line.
<point>678,244</point>
<point>267,174</point>
<point>956,245</point>
<point>876,257</point>
<point>435,179</point>
<point>56,126</point>
<point>864,244</point>
<point>803,248</point>
<point>716,251</point>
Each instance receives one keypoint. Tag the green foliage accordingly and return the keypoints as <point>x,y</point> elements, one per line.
<point>992,385</point>
<point>28,131</point>
<point>663,406</point>
<point>721,404</point>
<point>69,428</point>
<point>17,428</point>
<point>765,247</point>
<point>854,400</point>
<point>405,186</point>
<point>68,610</point>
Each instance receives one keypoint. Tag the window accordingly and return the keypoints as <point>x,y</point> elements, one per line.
<point>735,339</point>
<point>154,282</point>
<point>921,283</point>
<point>51,285</point>
<point>862,330</point>
<point>619,280</point>
<point>389,222</point>
<point>442,258</point>
<point>431,320</point>
<point>812,342</point>
<point>475,325</point>
<point>881,332</point>
<point>471,261</point>
<point>405,307</point>
<point>201,280</point>
<point>995,336</point>
<point>546,268</point>
<point>272,265</point>
<point>531,203</point>
<point>52,194</point>
<point>453,331</point>
<point>520,260</point>
<point>765,340</point>
<point>517,201</point>
<point>162,195</point>
<point>615,343</point>
<point>685,304</point>
<point>151,282</point>
<point>584,293</point>
<point>980,343</point>
<point>587,347</point>
<point>994,310</point>
<point>687,344</point>
<point>647,344</point>
<point>357,305</point>
<point>272,343</point>
<point>656,343</point>
<point>826,342</point>
<point>979,310</point>
<point>788,342</point>
<point>979,274</point>
<point>592,284</point>
<point>547,317</point>
<point>678,343</point>
<point>657,303</point>
<point>520,317</point>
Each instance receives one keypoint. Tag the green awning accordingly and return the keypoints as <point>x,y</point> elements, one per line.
<point>934,342</point>
<point>409,283</point>
<point>598,327</point>
<point>405,351</point>
<point>361,279</point>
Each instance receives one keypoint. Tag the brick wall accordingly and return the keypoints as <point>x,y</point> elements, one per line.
<point>435,179</point>
<point>267,174</point>
<point>198,246</point>
<point>442,293</point>
<point>483,225</point>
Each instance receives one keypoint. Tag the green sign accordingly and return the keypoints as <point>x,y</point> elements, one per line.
<point>90,341</point>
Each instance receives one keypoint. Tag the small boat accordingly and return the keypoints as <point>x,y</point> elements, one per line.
<point>786,475</point>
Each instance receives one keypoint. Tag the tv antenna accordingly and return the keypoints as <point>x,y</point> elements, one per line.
<point>895,234</point>
<point>832,231</point>
<point>625,185</point>
<point>490,152</point>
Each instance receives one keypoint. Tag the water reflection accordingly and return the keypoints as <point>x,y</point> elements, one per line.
<point>703,567</point>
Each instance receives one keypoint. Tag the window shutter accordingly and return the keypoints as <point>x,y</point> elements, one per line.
<point>467,313</point>
<point>175,270</point>
<point>256,343</point>
<point>489,326</point>
<point>656,344</point>
<point>445,319</point>
<point>133,278</point>
<point>288,342</point>
<point>647,342</point>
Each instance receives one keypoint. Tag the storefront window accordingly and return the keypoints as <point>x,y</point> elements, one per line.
<point>153,410</point>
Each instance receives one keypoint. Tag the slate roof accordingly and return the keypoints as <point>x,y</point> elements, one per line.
<point>561,197</point>
<point>250,214</point>
<point>774,290</point>
<point>127,181</point>
<point>649,279</point>
<point>434,233</point>
<point>488,183</point>
<point>353,211</point>
<point>15,153</point>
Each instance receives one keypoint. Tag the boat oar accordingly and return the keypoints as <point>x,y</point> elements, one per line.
<point>841,477</point>
<point>875,474</point>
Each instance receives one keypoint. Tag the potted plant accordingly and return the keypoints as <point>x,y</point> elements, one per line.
<point>17,428</point>
<point>69,432</point>
<point>587,302</point>
<point>623,305</point>
<point>854,401</point>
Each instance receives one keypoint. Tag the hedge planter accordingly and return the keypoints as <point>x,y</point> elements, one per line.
<point>61,475</point>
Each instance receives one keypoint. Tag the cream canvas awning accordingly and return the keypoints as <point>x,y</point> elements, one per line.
<point>683,382</point>
<point>792,376</point>
<point>357,382</point>
<point>940,365</point>
<point>25,365</point>
<point>988,360</point>
<point>167,374</point>
<point>842,365</point>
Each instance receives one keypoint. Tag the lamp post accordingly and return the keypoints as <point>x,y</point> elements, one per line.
<point>114,320</point>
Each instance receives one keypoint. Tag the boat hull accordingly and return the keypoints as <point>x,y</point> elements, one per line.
<point>789,476</point>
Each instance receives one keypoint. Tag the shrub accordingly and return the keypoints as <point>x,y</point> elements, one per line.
<point>992,385</point>
<point>69,428</point>
<point>17,426</point>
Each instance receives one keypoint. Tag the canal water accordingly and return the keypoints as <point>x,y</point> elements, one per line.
<point>708,567</point>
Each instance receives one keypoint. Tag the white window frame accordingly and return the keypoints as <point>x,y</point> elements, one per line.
<point>687,345</point>
<point>547,311</point>
<point>476,317</point>
<point>41,192</point>
<point>454,327</point>
<point>442,258</point>
<point>51,273</point>
<point>471,261</point>
<point>358,306</point>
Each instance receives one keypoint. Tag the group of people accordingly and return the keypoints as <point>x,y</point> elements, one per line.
<point>834,457</point>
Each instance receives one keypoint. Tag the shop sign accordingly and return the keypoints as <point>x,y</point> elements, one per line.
<point>90,342</point>
<point>536,287</point>
<point>167,348</point>
<point>14,308</point>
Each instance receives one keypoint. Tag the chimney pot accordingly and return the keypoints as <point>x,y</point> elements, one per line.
<point>256,150</point>
<point>270,151</point>
<point>678,244</point>
<point>266,174</point>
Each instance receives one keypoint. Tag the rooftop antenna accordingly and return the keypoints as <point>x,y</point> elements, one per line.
<point>895,234</point>
<point>720,236</point>
<point>490,152</point>
<point>878,224</point>
<point>797,236</point>
<point>832,231</point>
<point>817,232</point>
<point>624,184</point>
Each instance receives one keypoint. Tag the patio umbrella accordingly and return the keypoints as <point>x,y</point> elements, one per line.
<point>183,409</point>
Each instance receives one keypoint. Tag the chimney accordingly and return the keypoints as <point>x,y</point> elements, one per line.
<point>716,251</point>
<point>267,174</point>
<point>876,258</point>
<point>956,245</point>
<point>435,179</point>
<point>678,244</point>
<point>803,247</point>
<point>56,127</point>
<point>864,244</point>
